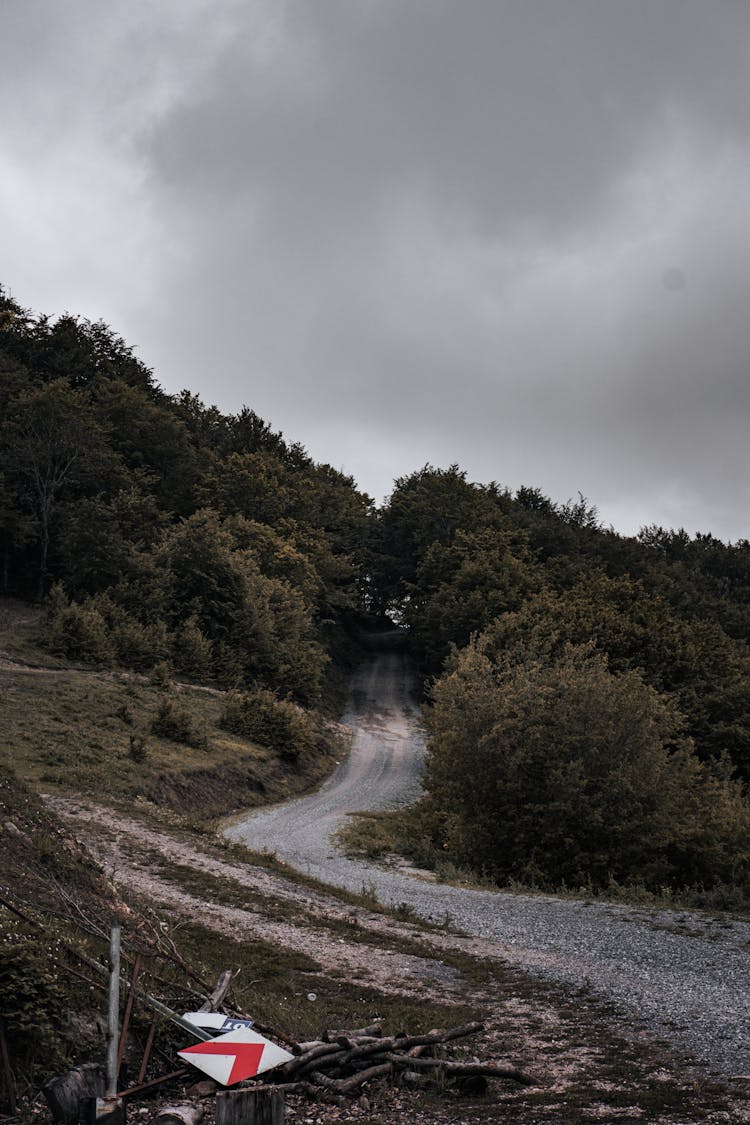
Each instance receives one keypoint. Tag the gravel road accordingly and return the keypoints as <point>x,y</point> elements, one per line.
<point>685,977</point>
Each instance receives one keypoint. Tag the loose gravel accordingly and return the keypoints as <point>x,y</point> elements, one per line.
<point>682,976</point>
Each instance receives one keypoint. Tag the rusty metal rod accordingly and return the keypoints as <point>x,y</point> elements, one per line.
<point>153,1083</point>
<point>128,1010</point>
<point>147,1052</point>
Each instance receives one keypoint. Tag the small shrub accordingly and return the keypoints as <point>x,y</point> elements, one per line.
<point>275,723</point>
<point>77,632</point>
<point>33,1003</point>
<point>192,652</point>
<point>138,748</point>
<point>176,724</point>
<point>124,713</point>
<point>161,675</point>
<point>140,646</point>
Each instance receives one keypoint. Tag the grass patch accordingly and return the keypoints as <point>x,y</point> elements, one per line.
<point>273,987</point>
<point>68,730</point>
<point>377,835</point>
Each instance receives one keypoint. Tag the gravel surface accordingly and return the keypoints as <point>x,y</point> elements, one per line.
<point>685,976</point>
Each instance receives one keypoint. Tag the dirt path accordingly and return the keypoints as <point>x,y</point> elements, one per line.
<point>383,770</point>
<point>685,977</point>
<point>578,1050</point>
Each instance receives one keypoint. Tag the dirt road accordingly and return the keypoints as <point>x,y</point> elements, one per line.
<point>684,976</point>
<point>382,771</point>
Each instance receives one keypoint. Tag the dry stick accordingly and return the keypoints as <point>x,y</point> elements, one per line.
<point>403,1043</point>
<point>147,1052</point>
<point>374,1031</point>
<point>487,1070</point>
<point>214,1001</point>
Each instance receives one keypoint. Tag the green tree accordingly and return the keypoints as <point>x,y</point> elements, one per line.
<point>48,443</point>
<point>558,771</point>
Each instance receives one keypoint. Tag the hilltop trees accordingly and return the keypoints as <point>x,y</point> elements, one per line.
<point>171,530</point>
<point>588,694</point>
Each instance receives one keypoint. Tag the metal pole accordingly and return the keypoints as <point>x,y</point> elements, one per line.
<point>113,1012</point>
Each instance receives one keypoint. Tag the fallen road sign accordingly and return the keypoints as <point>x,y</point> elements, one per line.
<point>237,1055</point>
<point>215,1021</point>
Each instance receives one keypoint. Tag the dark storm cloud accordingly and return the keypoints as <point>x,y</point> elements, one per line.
<point>512,234</point>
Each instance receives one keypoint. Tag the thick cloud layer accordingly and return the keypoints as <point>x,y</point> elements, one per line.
<point>509,233</point>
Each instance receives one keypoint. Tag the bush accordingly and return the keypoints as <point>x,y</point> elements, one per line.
<point>272,722</point>
<point>77,632</point>
<point>176,724</point>
<point>138,748</point>
<point>585,777</point>
<point>33,1004</point>
<point>140,646</point>
<point>192,652</point>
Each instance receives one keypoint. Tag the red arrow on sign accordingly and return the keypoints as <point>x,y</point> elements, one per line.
<point>238,1054</point>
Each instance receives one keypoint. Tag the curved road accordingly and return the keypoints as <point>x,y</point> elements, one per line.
<point>685,976</point>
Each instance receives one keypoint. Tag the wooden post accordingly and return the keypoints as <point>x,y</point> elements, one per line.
<point>261,1106</point>
<point>113,1011</point>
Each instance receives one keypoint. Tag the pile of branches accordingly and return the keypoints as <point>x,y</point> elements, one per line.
<point>342,1061</point>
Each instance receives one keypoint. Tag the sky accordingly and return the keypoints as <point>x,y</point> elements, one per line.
<point>511,234</point>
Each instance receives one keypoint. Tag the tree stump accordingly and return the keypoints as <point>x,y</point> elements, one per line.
<point>262,1106</point>
<point>65,1093</point>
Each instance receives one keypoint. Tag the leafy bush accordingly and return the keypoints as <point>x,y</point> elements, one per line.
<point>176,724</point>
<point>33,1003</point>
<point>140,646</point>
<point>138,748</point>
<point>264,718</point>
<point>192,652</point>
<point>585,777</point>
<point>77,632</point>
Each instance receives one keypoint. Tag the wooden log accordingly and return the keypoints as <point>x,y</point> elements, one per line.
<point>346,1085</point>
<point>181,1113</point>
<point>423,1048</point>
<point>299,1063</point>
<point>404,1043</point>
<point>263,1105</point>
<point>113,1010</point>
<point>65,1092</point>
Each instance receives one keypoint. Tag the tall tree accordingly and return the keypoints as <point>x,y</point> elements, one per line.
<point>48,442</point>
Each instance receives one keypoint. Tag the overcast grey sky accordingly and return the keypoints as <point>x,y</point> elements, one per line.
<point>509,233</point>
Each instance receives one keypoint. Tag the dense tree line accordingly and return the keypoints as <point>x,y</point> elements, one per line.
<point>589,693</point>
<point>597,685</point>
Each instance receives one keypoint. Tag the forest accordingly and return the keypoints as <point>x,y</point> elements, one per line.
<point>587,694</point>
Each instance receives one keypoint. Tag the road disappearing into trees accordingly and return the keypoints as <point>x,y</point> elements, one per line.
<point>683,975</point>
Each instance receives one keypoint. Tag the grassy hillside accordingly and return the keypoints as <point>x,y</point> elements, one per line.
<point>90,731</point>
